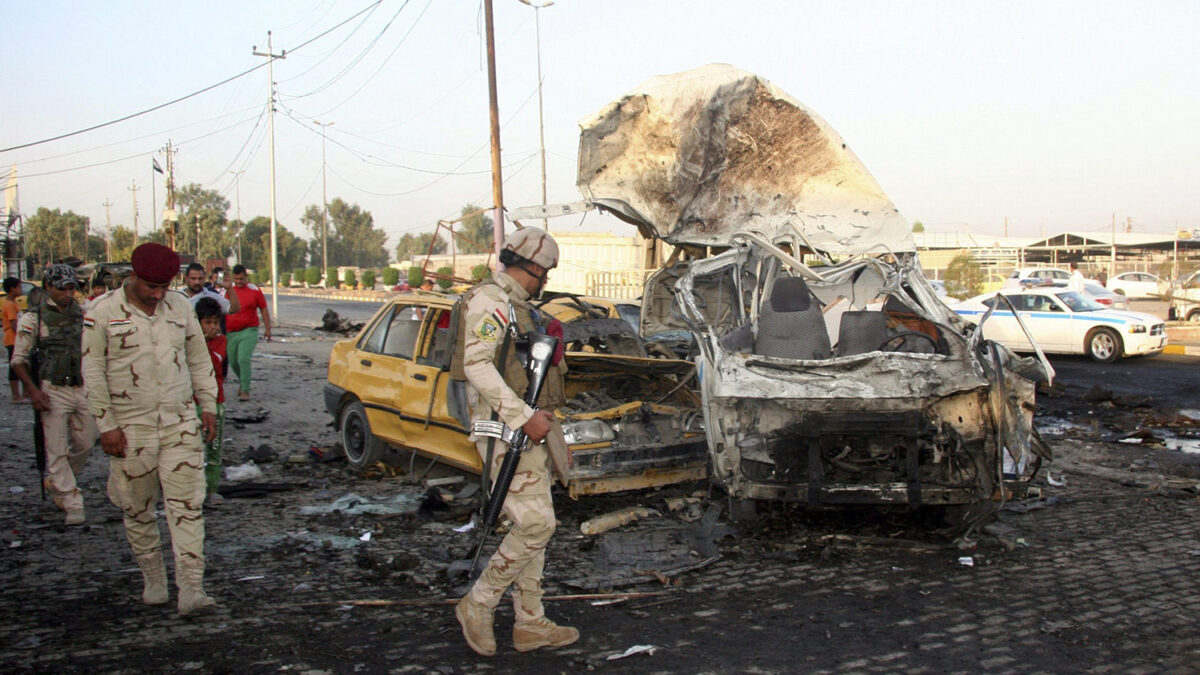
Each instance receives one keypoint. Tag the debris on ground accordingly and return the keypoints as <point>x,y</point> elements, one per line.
<point>248,417</point>
<point>243,472</point>
<point>253,490</point>
<point>648,650</point>
<point>616,519</point>
<point>263,454</point>
<point>332,323</point>
<point>354,504</point>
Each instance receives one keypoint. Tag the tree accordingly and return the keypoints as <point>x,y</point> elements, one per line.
<point>54,235</point>
<point>918,226</point>
<point>480,272</point>
<point>256,253</point>
<point>368,279</point>
<point>964,277</point>
<point>122,243</point>
<point>292,249</point>
<point>350,278</point>
<point>446,272</point>
<point>418,245</point>
<point>206,211</point>
<point>353,237</point>
<point>415,276</point>
<point>391,276</point>
<point>312,276</point>
<point>475,230</point>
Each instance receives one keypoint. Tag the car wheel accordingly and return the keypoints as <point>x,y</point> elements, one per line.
<point>1103,345</point>
<point>1194,315</point>
<point>362,447</point>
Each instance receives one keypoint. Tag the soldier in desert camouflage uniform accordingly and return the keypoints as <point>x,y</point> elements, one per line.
<point>143,360</point>
<point>495,386</point>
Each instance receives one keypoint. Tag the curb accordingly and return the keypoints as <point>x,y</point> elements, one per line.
<point>1190,350</point>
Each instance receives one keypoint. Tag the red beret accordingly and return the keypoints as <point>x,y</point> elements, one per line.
<point>155,263</point>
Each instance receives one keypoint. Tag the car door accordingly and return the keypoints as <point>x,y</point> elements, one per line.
<point>371,374</point>
<point>1001,326</point>
<point>1047,320</point>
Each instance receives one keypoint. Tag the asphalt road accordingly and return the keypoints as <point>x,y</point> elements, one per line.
<point>1169,380</point>
<point>307,311</point>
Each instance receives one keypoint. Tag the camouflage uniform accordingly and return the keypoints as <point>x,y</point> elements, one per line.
<point>142,371</point>
<point>70,431</point>
<point>522,554</point>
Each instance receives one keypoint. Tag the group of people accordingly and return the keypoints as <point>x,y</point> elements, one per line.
<point>140,369</point>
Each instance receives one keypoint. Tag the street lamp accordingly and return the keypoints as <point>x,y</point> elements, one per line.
<point>237,186</point>
<point>541,125</point>
<point>324,208</point>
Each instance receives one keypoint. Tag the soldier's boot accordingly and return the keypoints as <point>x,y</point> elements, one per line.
<point>192,598</point>
<point>75,517</point>
<point>531,635</point>
<point>476,621</point>
<point>154,578</point>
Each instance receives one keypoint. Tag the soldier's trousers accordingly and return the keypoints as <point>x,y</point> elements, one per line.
<point>70,433</point>
<point>522,554</point>
<point>169,458</point>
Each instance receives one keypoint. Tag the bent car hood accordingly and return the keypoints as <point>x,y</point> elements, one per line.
<point>694,157</point>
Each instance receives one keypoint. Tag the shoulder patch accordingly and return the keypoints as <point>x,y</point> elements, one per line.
<point>88,322</point>
<point>488,330</point>
<point>120,322</point>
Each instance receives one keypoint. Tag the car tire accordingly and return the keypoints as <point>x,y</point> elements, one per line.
<point>1193,315</point>
<point>362,447</point>
<point>1103,345</point>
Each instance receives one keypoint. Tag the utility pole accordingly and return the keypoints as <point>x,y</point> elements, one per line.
<point>237,187</point>
<point>197,216</point>
<point>107,230</point>
<point>134,190</point>
<point>324,208</point>
<point>271,56</point>
<point>170,216</point>
<point>494,117</point>
<point>541,125</point>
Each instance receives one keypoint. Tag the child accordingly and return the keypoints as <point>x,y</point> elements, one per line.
<point>208,311</point>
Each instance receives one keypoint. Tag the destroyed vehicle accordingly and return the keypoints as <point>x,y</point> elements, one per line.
<point>830,372</point>
<point>611,327</point>
<point>630,422</point>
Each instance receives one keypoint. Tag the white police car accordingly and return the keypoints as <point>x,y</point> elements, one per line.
<point>1065,322</point>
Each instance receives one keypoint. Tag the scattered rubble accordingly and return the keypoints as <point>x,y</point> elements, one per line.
<point>332,323</point>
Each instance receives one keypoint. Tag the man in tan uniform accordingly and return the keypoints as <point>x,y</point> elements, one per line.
<point>51,331</point>
<point>143,359</point>
<point>495,386</point>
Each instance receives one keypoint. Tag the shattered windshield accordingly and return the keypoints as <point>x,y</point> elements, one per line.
<point>1079,302</point>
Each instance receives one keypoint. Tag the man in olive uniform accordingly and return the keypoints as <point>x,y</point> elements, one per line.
<point>144,358</point>
<point>496,383</point>
<point>51,331</point>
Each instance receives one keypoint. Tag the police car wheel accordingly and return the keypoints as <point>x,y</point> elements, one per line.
<point>1103,345</point>
<point>362,447</point>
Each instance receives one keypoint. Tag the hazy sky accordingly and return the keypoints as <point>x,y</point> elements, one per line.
<point>1056,115</point>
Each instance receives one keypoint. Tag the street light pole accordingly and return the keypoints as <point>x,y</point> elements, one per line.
<point>324,208</point>
<point>537,22</point>
<point>237,187</point>
<point>271,56</point>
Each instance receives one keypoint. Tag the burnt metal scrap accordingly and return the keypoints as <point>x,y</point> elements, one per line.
<point>829,370</point>
<point>332,323</point>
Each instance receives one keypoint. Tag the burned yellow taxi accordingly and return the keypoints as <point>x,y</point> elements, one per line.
<point>630,422</point>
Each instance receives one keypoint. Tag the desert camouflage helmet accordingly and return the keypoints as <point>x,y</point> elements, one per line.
<point>534,245</point>
<point>60,276</point>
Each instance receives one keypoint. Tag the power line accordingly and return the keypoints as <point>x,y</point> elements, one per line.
<point>176,100</point>
<point>361,55</point>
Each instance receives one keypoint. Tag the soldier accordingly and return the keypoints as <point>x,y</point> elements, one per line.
<point>495,385</point>
<point>144,359</point>
<point>51,332</point>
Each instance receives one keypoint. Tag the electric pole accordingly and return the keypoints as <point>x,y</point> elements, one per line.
<point>134,190</point>
<point>537,22</point>
<point>324,207</point>
<point>170,217</point>
<point>271,56</point>
<point>494,117</point>
<point>107,230</point>
<point>237,188</point>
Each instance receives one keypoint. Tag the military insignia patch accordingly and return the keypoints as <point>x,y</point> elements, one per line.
<point>488,330</point>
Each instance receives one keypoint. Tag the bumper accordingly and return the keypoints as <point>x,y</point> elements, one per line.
<point>1152,344</point>
<point>333,400</point>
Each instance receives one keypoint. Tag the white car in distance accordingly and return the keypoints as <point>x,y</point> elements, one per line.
<point>1065,322</point>
<point>1136,285</point>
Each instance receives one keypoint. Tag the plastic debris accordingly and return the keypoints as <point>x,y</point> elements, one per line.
<point>255,577</point>
<point>966,561</point>
<point>616,518</point>
<point>352,504</point>
<point>1056,482</point>
<point>466,528</point>
<point>243,472</point>
<point>648,650</point>
<point>16,489</point>
<point>366,536</point>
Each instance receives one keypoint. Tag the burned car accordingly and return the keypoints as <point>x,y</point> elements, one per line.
<point>629,422</point>
<point>829,371</point>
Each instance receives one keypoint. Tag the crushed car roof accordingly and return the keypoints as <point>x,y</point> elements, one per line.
<point>694,157</point>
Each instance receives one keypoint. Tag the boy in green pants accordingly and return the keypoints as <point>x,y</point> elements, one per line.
<point>208,311</point>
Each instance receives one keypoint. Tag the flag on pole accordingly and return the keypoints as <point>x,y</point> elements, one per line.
<point>156,166</point>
